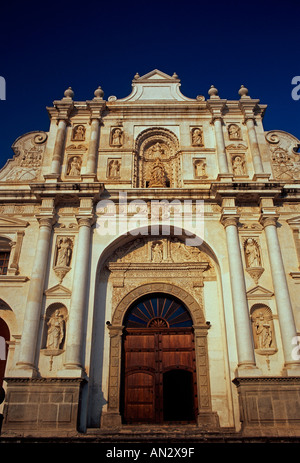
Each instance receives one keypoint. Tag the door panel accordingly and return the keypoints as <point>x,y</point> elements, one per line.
<point>148,355</point>
<point>139,397</point>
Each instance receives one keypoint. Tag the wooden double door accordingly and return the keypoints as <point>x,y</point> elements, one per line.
<point>158,375</point>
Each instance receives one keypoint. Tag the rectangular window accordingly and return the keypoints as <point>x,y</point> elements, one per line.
<point>4,258</point>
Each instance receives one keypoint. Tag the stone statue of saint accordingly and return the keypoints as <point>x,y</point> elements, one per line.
<point>64,253</point>
<point>157,255</point>
<point>56,330</point>
<point>114,169</point>
<point>158,176</point>
<point>117,137</point>
<point>234,132</point>
<point>79,133</point>
<point>74,167</point>
<point>238,166</point>
<point>197,137</point>
<point>252,253</point>
<point>263,333</point>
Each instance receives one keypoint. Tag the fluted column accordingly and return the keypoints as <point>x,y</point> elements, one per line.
<point>58,147</point>
<point>248,107</point>
<point>75,329</point>
<point>245,350</point>
<point>220,143</point>
<point>33,306</point>
<point>283,301</point>
<point>93,147</point>
<point>96,106</point>
<point>254,146</point>
<point>61,111</point>
<point>216,106</point>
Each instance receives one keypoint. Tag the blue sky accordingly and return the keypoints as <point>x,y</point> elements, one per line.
<point>45,48</point>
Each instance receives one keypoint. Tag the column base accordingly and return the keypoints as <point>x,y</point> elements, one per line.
<point>89,177</point>
<point>208,420</point>
<point>269,405</point>
<point>247,371</point>
<point>71,373</point>
<point>51,178</point>
<point>23,370</point>
<point>261,177</point>
<point>291,370</point>
<point>225,177</point>
<point>111,420</point>
<point>41,406</point>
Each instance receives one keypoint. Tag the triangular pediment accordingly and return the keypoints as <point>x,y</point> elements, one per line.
<point>58,291</point>
<point>259,292</point>
<point>156,74</point>
<point>9,223</point>
<point>155,86</point>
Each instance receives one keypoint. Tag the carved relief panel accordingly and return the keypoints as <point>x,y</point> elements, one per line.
<point>116,137</point>
<point>199,168</point>
<point>197,136</point>
<point>237,158</point>
<point>234,132</point>
<point>113,169</point>
<point>26,164</point>
<point>157,159</point>
<point>78,133</point>
<point>74,164</point>
<point>284,159</point>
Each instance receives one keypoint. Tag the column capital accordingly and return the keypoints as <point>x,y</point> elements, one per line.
<point>265,220</point>
<point>115,330</point>
<point>85,221</point>
<point>45,221</point>
<point>227,219</point>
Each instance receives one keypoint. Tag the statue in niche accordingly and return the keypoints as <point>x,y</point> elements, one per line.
<point>238,166</point>
<point>64,252</point>
<point>157,150</point>
<point>78,133</point>
<point>114,168</point>
<point>158,175</point>
<point>157,252</point>
<point>117,137</point>
<point>200,168</point>
<point>252,253</point>
<point>56,331</point>
<point>74,167</point>
<point>197,137</point>
<point>234,132</point>
<point>263,332</point>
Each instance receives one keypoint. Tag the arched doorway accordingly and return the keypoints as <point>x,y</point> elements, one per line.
<point>158,352</point>
<point>4,338</point>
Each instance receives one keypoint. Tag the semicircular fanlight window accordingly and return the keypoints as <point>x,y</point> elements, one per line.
<point>158,311</point>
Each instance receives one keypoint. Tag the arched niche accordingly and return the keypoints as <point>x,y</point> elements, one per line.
<point>157,159</point>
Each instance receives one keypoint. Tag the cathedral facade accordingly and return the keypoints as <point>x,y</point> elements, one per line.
<point>149,268</point>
